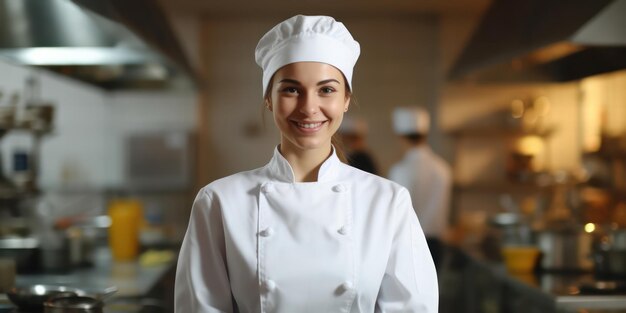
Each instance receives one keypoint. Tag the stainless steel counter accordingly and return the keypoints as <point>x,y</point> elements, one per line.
<point>131,279</point>
<point>486,283</point>
<point>134,282</point>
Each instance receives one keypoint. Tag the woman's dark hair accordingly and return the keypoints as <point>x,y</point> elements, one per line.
<point>415,138</point>
<point>335,140</point>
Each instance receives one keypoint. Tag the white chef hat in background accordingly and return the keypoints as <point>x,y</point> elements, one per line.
<point>307,39</point>
<point>411,120</point>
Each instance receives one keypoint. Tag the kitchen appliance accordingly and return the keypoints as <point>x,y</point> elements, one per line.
<point>24,251</point>
<point>610,255</point>
<point>121,44</point>
<point>568,249</point>
<point>544,40</point>
<point>610,264</point>
<point>7,274</point>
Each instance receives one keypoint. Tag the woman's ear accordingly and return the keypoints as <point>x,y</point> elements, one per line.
<point>268,104</point>
<point>346,104</point>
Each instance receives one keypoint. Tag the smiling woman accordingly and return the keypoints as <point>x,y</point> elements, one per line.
<point>329,89</point>
<point>308,101</point>
<point>306,232</point>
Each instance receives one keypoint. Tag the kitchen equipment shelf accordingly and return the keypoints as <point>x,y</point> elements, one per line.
<point>501,132</point>
<point>499,187</point>
<point>39,127</point>
<point>496,140</point>
<point>608,155</point>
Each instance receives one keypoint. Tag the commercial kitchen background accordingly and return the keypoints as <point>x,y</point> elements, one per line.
<point>407,51</point>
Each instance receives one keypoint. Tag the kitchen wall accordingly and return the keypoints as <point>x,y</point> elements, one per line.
<point>398,66</point>
<point>85,149</point>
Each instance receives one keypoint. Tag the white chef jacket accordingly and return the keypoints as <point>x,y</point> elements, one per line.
<point>349,242</point>
<point>429,181</point>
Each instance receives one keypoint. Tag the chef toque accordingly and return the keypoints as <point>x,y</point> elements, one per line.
<point>307,39</point>
<point>410,120</point>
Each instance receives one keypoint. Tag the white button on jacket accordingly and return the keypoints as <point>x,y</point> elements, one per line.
<point>259,242</point>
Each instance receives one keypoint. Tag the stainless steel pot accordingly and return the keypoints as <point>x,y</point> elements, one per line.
<point>565,250</point>
<point>25,252</point>
<point>73,304</point>
<point>617,239</point>
<point>610,264</point>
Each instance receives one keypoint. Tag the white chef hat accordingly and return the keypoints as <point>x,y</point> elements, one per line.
<point>410,120</point>
<point>307,39</point>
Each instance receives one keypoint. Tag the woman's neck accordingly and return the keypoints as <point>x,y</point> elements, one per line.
<point>305,163</point>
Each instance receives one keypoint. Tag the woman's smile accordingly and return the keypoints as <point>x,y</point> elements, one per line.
<point>309,127</point>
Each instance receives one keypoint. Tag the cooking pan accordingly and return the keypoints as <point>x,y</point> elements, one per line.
<point>33,297</point>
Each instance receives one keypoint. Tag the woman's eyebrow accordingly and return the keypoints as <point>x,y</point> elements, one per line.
<point>326,81</point>
<point>293,81</point>
<point>289,80</point>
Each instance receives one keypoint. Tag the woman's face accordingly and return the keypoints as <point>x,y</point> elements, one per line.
<point>308,100</point>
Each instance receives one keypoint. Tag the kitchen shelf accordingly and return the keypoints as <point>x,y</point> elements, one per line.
<point>500,132</point>
<point>499,187</point>
<point>615,193</point>
<point>607,155</point>
<point>24,128</point>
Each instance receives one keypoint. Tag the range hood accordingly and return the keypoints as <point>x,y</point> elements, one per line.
<point>545,40</point>
<point>114,44</point>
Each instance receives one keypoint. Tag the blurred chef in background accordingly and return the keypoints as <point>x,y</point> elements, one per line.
<point>353,131</point>
<point>426,175</point>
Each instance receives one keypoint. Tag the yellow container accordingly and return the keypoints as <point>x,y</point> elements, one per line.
<point>520,259</point>
<point>126,216</point>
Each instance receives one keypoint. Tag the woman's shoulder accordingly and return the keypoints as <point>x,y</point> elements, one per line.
<point>370,180</point>
<point>236,181</point>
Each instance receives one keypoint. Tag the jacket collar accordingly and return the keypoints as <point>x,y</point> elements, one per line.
<point>281,170</point>
<point>415,152</point>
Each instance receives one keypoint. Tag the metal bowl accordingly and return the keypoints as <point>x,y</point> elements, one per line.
<point>33,297</point>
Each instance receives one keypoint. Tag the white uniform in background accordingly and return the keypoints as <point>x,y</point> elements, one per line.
<point>428,179</point>
<point>348,243</point>
<point>426,175</point>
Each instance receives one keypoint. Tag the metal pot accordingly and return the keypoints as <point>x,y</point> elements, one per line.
<point>25,252</point>
<point>73,304</point>
<point>610,264</point>
<point>565,250</point>
<point>617,239</point>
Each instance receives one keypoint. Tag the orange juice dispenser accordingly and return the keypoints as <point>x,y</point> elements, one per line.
<point>126,218</point>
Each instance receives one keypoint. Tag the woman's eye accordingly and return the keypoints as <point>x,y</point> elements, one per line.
<point>290,90</point>
<point>327,90</point>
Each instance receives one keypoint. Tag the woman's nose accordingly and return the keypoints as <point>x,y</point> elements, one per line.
<point>309,104</point>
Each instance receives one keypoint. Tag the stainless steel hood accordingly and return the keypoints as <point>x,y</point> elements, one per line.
<point>545,40</point>
<point>111,44</point>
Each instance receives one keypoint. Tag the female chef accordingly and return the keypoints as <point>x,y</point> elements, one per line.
<point>306,232</point>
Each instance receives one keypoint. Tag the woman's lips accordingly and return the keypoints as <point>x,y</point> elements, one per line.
<point>308,127</point>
